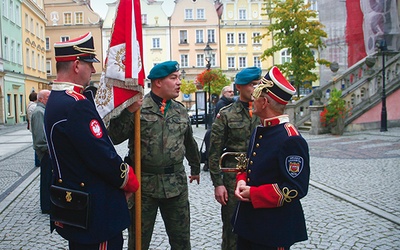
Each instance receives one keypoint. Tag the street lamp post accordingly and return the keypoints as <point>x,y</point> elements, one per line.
<point>208,55</point>
<point>183,72</point>
<point>382,47</point>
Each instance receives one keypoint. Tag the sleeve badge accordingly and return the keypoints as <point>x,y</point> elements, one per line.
<point>294,165</point>
<point>95,128</point>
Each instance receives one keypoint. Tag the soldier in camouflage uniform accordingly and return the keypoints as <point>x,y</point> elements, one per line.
<point>231,133</point>
<point>166,138</point>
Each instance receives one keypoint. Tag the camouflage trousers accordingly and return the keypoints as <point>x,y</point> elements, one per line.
<point>228,237</point>
<point>176,216</point>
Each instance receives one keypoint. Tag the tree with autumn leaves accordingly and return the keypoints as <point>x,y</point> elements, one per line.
<point>296,28</point>
<point>213,78</point>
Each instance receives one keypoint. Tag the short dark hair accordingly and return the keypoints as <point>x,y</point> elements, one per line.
<point>33,97</point>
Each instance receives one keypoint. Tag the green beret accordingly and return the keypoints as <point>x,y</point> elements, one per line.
<point>247,75</point>
<point>163,69</point>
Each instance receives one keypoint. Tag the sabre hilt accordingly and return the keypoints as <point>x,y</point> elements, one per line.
<point>240,166</point>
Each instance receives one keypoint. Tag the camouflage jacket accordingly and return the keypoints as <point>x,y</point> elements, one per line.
<point>230,132</point>
<point>165,141</point>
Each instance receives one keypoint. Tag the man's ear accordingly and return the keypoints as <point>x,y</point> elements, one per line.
<point>75,65</point>
<point>157,83</point>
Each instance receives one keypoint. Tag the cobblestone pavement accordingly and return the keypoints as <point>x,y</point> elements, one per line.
<point>353,200</point>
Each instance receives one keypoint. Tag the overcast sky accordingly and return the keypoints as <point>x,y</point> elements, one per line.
<point>100,7</point>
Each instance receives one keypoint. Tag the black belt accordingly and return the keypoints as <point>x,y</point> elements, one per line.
<point>163,170</point>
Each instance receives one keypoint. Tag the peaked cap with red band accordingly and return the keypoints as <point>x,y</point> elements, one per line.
<point>276,86</point>
<point>81,48</point>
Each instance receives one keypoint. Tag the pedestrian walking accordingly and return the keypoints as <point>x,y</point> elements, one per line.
<point>29,110</point>
<point>85,162</point>
<point>231,133</point>
<point>166,138</point>
<point>41,149</point>
<point>269,214</point>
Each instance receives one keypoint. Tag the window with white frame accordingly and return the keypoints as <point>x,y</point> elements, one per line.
<point>184,60</point>
<point>213,60</point>
<point>231,62</point>
<point>12,51</point>
<point>33,64</point>
<point>242,38</point>
<point>144,18</point>
<point>285,56</point>
<point>19,59</point>
<point>242,62</point>
<point>199,36</point>
<point>78,17</point>
<point>17,15</point>
<point>200,14</point>
<point>188,14</point>
<point>256,38</point>
<point>11,11</point>
<point>211,36</point>
<point>26,22</point>
<point>28,60</point>
<point>4,7</point>
<point>183,36</point>
<point>6,57</point>
<point>48,67</point>
<point>156,43</point>
<point>200,60</point>
<point>257,61</point>
<point>31,26</point>
<point>242,14</point>
<point>230,38</point>
<point>67,18</point>
<point>64,38</point>
<point>47,43</point>
<point>41,32</point>
<point>313,5</point>
<point>37,30</point>
<point>39,62</point>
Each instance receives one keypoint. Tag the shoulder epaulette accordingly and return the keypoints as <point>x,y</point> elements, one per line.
<point>75,95</point>
<point>226,107</point>
<point>291,130</point>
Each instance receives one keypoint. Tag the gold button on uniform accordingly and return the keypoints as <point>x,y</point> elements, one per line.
<point>251,162</point>
<point>260,137</point>
<point>257,145</point>
<point>254,153</point>
<point>82,184</point>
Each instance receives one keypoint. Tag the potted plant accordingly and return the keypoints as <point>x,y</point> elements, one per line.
<point>334,113</point>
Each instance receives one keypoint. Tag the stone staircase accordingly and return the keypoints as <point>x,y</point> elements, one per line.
<point>361,87</point>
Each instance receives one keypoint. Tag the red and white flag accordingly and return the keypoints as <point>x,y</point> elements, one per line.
<point>122,80</point>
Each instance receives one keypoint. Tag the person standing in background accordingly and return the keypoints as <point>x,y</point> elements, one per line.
<point>30,108</point>
<point>231,133</point>
<point>41,150</point>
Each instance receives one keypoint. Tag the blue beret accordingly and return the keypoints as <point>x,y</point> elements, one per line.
<point>163,69</point>
<point>247,75</point>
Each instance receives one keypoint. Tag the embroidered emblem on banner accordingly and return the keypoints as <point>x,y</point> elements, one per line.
<point>294,165</point>
<point>95,128</point>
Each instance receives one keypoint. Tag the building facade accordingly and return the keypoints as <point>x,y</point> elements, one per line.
<point>34,46</point>
<point>69,19</point>
<point>13,88</point>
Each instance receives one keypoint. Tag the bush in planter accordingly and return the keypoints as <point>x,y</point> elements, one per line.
<point>334,112</point>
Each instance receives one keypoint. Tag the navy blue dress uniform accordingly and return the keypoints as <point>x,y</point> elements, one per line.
<point>84,157</point>
<point>278,173</point>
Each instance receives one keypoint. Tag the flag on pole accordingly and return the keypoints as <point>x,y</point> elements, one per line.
<point>122,79</point>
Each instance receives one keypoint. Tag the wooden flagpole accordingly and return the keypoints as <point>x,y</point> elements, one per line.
<point>138,193</point>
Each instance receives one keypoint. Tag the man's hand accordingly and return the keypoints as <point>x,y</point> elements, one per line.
<point>135,106</point>
<point>242,192</point>
<point>221,195</point>
<point>194,177</point>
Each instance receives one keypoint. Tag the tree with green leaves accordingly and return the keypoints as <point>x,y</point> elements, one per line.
<point>213,78</point>
<point>296,28</point>
<point>188,87</point>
